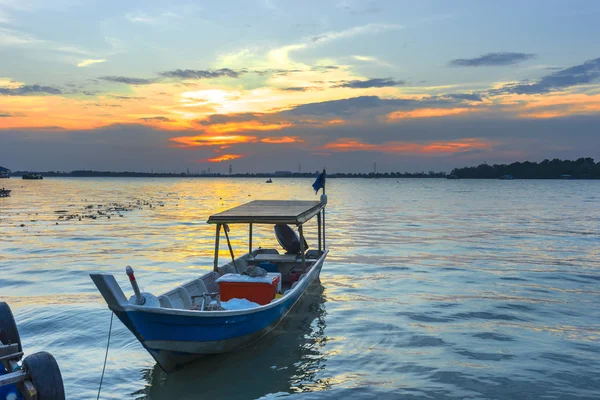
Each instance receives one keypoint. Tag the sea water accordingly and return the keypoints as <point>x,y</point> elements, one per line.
<point>437,289</point>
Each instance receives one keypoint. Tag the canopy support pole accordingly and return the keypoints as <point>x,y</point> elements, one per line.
<point>302,247</point>
<point>324,247</point>
<point>319,226</point>
<point>226,230</point>
<point>250,239</point>
<point>216,265</point>
<point>324,197</point>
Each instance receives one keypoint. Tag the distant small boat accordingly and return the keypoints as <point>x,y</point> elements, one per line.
<point>506,178</point>
<point>32,176</point>
<point>269,180</point>
<point>4,175</point>
<point>5,192</point>
<point>566,176</point>
<point>451,176</point>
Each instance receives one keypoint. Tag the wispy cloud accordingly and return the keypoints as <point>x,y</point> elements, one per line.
<point>26,90</point>
<point>371,60</point>
<point>349,107</point>
<point>428,113</point>
<point>126,97</point>
<point>159,119</point>
<point>441,147</point>
<point>298,88</point>
<point>492,60</point>
<point>362,8</point>
<point>272,6</point>
<point>588,72</point>
<point>280,56</point>
<point>127,80</point>
<point>86,63</point>
<point>201,74</point>
<point>371,83</point>
<point>13,38</point>
<point>368,29</point>
<point>147,19</point>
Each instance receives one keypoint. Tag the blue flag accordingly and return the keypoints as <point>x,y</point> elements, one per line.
<point>319,182</point>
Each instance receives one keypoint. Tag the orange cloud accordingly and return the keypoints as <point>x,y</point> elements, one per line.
<point>246,126</point>
<point>222,157</point>
<point>211,140</point>
<point>282,140</point>
<point>225,141</point>
<point>407,147</point>
<point>544,114</point>
<point>428,113</point>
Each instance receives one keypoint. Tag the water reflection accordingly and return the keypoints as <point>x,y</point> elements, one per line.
<point>287,360</point>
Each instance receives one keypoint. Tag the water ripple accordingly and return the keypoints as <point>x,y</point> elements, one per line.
<point>433,288</point>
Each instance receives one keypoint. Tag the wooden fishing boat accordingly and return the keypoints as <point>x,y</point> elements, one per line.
<point>5,192</point>
<point>184,323</point>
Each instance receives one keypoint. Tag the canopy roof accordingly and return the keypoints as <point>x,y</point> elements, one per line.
<point>269,212</point>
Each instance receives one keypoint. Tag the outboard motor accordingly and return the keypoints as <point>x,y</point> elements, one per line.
<point>288,239</point>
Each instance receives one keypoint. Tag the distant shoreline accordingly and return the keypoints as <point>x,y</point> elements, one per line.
<point>107,174</point>
<point>273,176</point>
<point>582,168</point>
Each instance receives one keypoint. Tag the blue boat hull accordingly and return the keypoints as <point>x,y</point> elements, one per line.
<point>176,339</point>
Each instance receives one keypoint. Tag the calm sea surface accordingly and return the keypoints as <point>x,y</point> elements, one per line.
<point>433,289</point>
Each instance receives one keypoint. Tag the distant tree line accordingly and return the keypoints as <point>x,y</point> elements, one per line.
<point>582,168</point>
<point>128,174</point>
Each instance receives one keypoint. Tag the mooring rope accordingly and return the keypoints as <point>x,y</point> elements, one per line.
<point>105,355</point>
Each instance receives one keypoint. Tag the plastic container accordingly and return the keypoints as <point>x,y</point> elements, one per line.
<point>268,266</point>
<point>257,292</point>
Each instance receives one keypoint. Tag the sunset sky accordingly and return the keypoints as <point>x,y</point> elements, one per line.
<point>267,85</point>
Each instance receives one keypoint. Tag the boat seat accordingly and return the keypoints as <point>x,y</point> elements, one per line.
<point>201,287</point>
<point>165,302</point>
<point>241,264</point>
<point>185,297</point>
<point>228,269</point>
<point>210,281</point>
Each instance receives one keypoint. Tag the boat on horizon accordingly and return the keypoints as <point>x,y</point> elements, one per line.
<point>269,180</point>
<point>227,308</point>
<point>33,176</point>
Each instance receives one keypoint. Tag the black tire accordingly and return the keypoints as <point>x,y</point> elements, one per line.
<point>9,334</point>
<point>45,376</point>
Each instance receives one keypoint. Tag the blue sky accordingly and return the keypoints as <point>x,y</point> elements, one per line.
<point>267,84</point>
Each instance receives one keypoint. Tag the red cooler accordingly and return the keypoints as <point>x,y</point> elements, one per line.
<point>259,290</point>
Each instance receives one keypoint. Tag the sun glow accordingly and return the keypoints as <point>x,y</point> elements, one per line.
<point>222,157</point>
